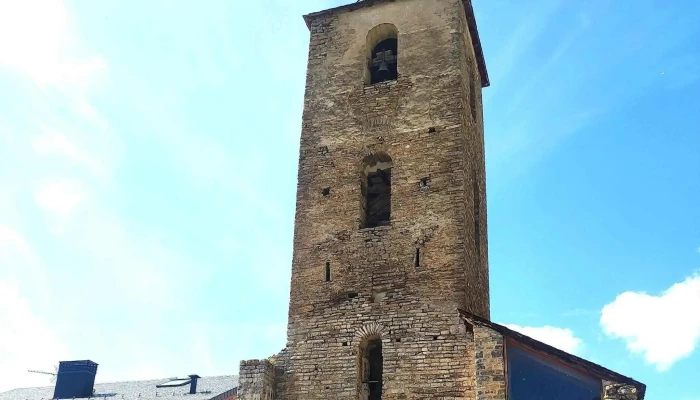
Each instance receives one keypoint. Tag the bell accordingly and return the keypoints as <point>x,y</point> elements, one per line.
<point>383,71</point>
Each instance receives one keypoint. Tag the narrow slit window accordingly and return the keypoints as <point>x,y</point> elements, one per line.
<point>472,103</point>
<point>328,271</point>
<point>417,259</point>
<point>477,214</point>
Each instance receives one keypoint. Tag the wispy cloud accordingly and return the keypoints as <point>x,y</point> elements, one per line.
<point>520,42</point>
<point>59,198</point>
<point>580,312</point>
<point>561,338</point>
<point>37,39</point>
<point>13,244</point>
<point>54,143</point>
<point>105,263</point>
<point>25,341</point>
<point>664,328</point>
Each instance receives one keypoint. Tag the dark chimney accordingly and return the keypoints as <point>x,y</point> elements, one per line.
<point>193,383</point>
<point>75,379</point>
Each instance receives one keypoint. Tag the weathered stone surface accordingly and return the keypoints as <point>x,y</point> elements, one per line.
<point>489,364</point>
<point>256,380</point>
<point>619,391</point>
<point>375,286</point>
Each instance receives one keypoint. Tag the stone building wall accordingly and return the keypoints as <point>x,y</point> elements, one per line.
<point>424,122</point>
<point>256,380</point>
<point>489,364</point>
<point>619,391</point>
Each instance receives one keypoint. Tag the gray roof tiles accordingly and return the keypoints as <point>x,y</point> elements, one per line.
<point>208,387</point>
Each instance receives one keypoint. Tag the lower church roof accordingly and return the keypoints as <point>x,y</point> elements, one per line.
<point>566,358</point>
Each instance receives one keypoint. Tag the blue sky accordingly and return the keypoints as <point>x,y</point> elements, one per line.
<point>148,171</point>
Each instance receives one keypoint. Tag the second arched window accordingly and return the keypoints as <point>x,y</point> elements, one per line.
<point>376,190</point>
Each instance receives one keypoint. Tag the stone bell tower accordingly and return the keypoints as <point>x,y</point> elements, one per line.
<point>390,230</point>
<point>390,285</point>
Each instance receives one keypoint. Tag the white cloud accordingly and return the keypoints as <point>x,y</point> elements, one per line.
<point>664,328</point>
<point>25,342</point>
<point>561,338</point>
<point>59,197</point>
<point>55,143</point>
<point>19,263</point>
<point>36,39</point>
<point>12,244</point>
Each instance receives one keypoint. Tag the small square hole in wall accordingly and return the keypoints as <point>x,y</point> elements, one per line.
<point>345,343</point>
<point>352,295</point>
<point>423,183</point>
<point>397,340</point>
<point>326,191</point>
<point>435,338</point>
<point>432,129</point>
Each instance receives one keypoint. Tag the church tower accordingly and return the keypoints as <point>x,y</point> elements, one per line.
<point>390,281</point>
<point>390,228</point>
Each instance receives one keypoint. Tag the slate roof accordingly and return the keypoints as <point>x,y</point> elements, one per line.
<point>208,388</point>
<point>569,359</point>
<point>468,11</point>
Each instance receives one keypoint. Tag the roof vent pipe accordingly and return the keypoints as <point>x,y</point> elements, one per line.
<point>193,383</point>
<point>75,379</point>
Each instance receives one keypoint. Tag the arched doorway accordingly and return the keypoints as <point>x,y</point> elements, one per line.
<point>371,370</point>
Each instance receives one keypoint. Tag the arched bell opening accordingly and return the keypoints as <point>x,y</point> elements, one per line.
<point>382,44</point>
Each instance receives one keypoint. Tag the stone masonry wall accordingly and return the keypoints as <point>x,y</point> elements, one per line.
<point>256,380</point>
<point>619,391</point>
<point>429,122</point>
<point>489,364</point>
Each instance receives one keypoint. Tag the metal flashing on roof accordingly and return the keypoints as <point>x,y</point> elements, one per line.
<point>174,382</point>
<point>468,11</point>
